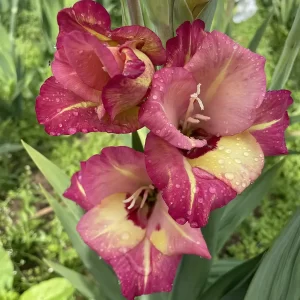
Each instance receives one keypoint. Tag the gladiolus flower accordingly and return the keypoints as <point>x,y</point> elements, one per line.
<point>100,75</point>
<point>127,222</point>
<point>211,123</point>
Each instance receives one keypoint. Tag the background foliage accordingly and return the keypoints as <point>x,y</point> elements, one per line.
<point>29,231</point>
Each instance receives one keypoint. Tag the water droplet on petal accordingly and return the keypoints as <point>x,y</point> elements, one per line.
<point>237,161</point>
<point>212,190</point>
<point>177,186</point>
<point>72,130</point>
<point>125,236</point>
<point>229,176</point>
<point>181,221</point>
<point>246,153</point>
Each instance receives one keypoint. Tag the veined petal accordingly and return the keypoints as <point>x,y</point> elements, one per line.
<point>181,48</point>
<point>190,193</point>
<point>233,83</point>
<point>171,238</point>
<point>107,229</point>
<point>144,270</point>
<point>166,104</point>
<point>62,112</point>
<point>115,170</point>
<point>76,192</point>
<point>236,160</point>
<point>85,16</point>
<point>143,39</point>
<point>70,80</point>
<point>124,91</point>
<point>271,122</point>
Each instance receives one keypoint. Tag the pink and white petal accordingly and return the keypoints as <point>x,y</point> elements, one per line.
<point>144,270</point>
<point>171,238</point>
<point>66,75</point>
<point>181,48</point>
<point>63,112</point>
<point>85,15</point>
<point>271,122</point>
<point>134,65</point>
<point>76,192</point>
<point>143,39</point>
<point>107,229</point>
<point>166,105</point>
<point>122,92</point>
<point>115,170</point>
<point>236,160</point>
<point>189,193</point>
<point>233,83</point>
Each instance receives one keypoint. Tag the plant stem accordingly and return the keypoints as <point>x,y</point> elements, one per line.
<point>135,12</point>
<point>14,11</point>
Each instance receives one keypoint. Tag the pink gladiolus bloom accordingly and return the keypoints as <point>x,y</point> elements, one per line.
<point>211,121</point>
<point>100,75</point>
<point>127,222</point>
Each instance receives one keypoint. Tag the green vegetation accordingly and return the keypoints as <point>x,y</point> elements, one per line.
<point>29,231</point>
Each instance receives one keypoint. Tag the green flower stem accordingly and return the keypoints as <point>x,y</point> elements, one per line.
<point>135,12</point>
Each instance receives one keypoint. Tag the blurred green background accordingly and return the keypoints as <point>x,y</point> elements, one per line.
<point>29,230</point>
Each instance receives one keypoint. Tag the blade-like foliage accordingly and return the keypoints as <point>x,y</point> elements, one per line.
<point>278,275</point>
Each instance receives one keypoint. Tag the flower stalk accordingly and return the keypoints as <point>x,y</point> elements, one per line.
<point>135,12</point>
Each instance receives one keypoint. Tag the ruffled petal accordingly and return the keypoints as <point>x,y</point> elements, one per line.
<point>62,112</point>
<point>115,170</point>
<point>144,270</point>
<point>64,73</point>
<point>76,192</point>
<point>127,90</point>
<point>85,16</point>
<point>107,229</point>
<point>271,122</point>
<point>236,160</point>
<point>166,104</point>
<point>143,39</point>
<point>233,83</point>
<point>181,48</point>
<point>190,193</point>
<point>170,238</point>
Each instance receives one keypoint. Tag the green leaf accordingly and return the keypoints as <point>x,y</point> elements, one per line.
<point>52,289</point>
<point>288,56</point>
<point>182,13</point>
<point>8,148</point>
<point>80,282</point>
<point>55,176</point>
<point>278,275</point>
<point>7,269</point>
<point>294,119</point>
<point>136,142</point>
<point>96,266</point>
<point>207,15</point>
<point>259,33</point>
<point>193,271</point>
<point>231,279</point>
<point>240,208</point>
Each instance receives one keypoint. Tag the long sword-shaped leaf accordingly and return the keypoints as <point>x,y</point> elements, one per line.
<point>98,268</point>
<point>80,282</point>
<point>238,209</point>
<point>288,56</point>
<point>278,275</point>
<point>208,13</point>
<point>259,33</point>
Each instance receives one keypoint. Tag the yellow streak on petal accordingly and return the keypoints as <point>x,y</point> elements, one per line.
<point>147,261</point>
<point>80,187</point>
<point>85,104</point>
<point>237,160</point>
<point>101,37</point>
<point>218,81</point>
<point>263,125</point>
<point>192,180</point>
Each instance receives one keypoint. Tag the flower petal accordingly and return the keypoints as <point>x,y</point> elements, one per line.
<point>143,39</point>
<point>65,74</point>
<point>62,112</point>
<point>144,270</point>
<point>181,48</point>
<point>271,122</point>
<point>107,229</point>
<point>168,100</point>
<point>123,92</point>
<point>233,83</point>
<point>115,170</point>
<point>237,160</point>
<point>85,15</point>
<point>190,193</point>
<point>76,192</point>
<point>170,238</point>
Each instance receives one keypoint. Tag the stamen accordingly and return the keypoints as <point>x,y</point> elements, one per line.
<point>134,197</point>
<point>192,120</point>
<point>144,198</point>
<point>201,117</point>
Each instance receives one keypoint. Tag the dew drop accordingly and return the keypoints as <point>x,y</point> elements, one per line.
<point>237,161</point>
<point>228,150</point>
<point>154,96</point>
<point>125,236</point>
<point>72,130</point>
<point>60,125</point>
<point>220,161</point>
<point>246,153</point>
<point>75,113</point>
<point>229,176</point>
<point>177,186</point>
<point>212,190</point>
<point>194,225</point>
<point>181,221</point>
